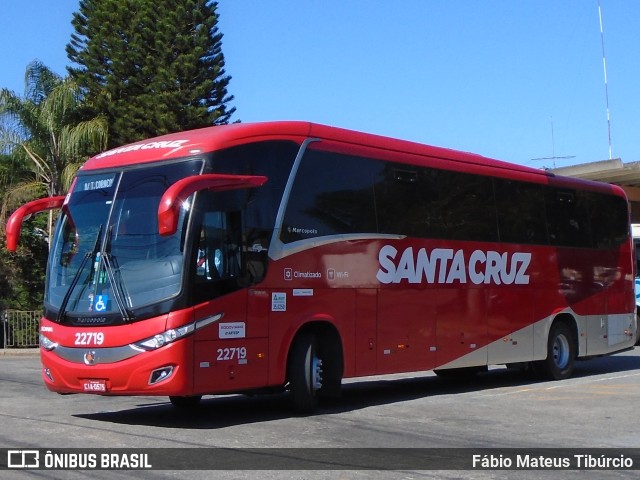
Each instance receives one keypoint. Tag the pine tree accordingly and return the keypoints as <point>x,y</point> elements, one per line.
<point>151,66</point>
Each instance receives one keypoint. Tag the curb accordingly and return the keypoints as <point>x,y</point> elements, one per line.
<point>19,352</point>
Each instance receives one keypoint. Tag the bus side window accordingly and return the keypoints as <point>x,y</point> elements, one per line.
<point>220,257</point>
<point>567,218</point>
<point>215,248</point>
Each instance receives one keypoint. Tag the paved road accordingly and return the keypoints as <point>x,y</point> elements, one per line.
<point>599,407</point>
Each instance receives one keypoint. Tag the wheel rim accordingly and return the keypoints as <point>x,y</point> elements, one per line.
<point>561,351</point>
<point>316,373</point>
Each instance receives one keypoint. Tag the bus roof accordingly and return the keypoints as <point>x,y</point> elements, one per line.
<point>195,142</point>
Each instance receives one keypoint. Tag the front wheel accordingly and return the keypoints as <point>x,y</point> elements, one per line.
<point>304,374</point>
<point>561,353</point>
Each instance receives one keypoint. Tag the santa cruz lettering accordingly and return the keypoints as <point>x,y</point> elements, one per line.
<point>445,265</point>
<point>173,144</point>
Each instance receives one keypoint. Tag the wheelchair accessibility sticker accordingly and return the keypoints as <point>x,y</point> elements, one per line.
<point>100,303</point>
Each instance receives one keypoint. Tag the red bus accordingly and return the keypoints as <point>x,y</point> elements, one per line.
<point>291,255</point>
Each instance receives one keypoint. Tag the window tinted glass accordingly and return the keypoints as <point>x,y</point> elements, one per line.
<point>609,220</point>
<point>272,159</point>
<point>408,202</point>
<point>521,212</point>
<point>341,194</point>
<point>467,205</point>
<point>567,218</point>
<point>333,194</point>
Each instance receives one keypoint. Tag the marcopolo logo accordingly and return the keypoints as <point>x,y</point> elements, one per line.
<point>446,266</point>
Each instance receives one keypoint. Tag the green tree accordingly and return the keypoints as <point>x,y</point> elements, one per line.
<point>22,273</point>
<point>151,66</point>
<point>42,144</point>
<point>43,137</point>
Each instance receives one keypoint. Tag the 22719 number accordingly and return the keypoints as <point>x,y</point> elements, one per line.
<point>89,338</point>
<point>233,353</point>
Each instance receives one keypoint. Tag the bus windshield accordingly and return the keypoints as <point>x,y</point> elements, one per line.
<point>107,256</point>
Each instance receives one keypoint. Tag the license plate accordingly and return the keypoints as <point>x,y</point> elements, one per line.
<point>94,386</point>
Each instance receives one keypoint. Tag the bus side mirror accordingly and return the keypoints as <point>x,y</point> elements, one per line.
<point>176,194</point>
<point>24,212</point>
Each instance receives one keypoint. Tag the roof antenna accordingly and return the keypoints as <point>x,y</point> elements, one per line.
<point>553,150</point>
<point>606,88</point>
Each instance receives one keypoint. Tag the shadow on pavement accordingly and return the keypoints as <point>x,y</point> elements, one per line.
<point>223,411</point>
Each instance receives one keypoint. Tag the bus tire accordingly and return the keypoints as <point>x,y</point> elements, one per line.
<point>332,367</point>
<point>561,353</point>
<point>185,402</point>
<point>304,374</point>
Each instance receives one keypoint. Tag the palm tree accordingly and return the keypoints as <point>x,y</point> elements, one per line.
<point>45,138</point>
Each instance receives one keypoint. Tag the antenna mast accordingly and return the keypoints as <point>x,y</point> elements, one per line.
<point>606,88</point>
<point>553,156</point>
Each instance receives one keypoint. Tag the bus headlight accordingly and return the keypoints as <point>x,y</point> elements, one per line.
<point>165,338</point>
<point>47,344</point>
<point>173,334</point>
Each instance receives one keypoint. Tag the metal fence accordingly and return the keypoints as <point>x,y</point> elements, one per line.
<point>19,329</point>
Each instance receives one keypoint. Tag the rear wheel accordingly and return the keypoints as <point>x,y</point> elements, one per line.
<point>304,374</point>
<point>561,353</point>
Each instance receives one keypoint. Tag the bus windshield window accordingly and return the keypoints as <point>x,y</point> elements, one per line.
<point>107,249</point>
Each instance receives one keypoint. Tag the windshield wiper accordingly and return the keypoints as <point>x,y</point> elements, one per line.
<point>87,256</point>
<point>120,293</point>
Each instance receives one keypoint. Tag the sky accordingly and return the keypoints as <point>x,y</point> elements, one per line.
<point>516,80</point>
